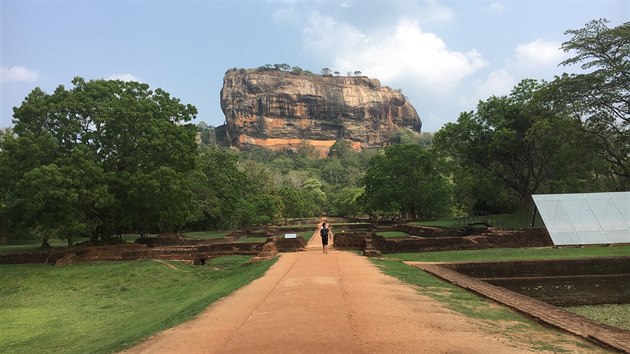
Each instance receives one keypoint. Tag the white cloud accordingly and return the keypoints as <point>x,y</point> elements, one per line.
<point>123,77</point>
<point>17,74</point>
<point>499,82</point>
<point>538,53</point>
<point>345,5</point>
<point>404,55</point>
<point>497,7</point>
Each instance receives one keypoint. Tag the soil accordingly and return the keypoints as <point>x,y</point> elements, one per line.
<point>340,303</point>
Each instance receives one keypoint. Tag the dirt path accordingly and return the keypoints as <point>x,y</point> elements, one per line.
<point>310,302</point>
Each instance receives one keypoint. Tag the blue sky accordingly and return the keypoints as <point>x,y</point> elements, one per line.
<point>443,55</point>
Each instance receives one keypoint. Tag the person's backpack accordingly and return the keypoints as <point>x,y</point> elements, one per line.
<point>324,232</point>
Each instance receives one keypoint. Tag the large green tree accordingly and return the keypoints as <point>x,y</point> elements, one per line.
<point>121,148</point>
<point>600,95</point>
<point>407,179</point>
<point>234,194</point>
<point>517,142</point>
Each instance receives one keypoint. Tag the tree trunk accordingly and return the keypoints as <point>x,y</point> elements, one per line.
<point>4,232</point>
<point>45,243</point>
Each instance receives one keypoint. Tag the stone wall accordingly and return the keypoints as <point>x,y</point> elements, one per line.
<point>564,267</point>
<point>50,256</point>
<point>351,240</point>
<point>435,241</point>
<point>129,252</point>
<point>290,244</point>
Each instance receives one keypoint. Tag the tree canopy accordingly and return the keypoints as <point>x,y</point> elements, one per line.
<point>107,156</point>
<point>409,180</point>
<point>517,141</point>
<point>600,96</point>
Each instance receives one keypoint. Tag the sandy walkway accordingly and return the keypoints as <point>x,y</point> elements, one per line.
<point>309,302</point>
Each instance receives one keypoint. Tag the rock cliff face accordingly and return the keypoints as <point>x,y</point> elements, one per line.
<point>280,110</point>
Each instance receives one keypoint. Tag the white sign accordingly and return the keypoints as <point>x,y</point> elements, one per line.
<point>290,235</point>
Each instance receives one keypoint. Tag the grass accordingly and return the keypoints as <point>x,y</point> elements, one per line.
<point>392,234</point>
<point>22,246</point>
<point>454,297</point>
<point>442,222</point>
<point>516,220</point>
<point>34,245</point>
<point>204,235</point>
<point>105,307</point>
<point>501,254</point>
<point>251,239</point>
<point>313,226</point>
<point>306,234</point>
<point>497,318</point>
<point>617,315</point>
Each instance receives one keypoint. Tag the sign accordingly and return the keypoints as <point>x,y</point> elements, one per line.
<point>290,235</point>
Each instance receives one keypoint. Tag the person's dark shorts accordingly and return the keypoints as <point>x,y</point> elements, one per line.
<point>324,240</point>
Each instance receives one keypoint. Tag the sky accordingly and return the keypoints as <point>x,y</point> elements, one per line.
<point>445,56</point>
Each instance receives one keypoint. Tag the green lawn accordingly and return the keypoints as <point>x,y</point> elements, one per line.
<point>517,220</point>
<point>393,234</point>
<point>306,234</point>
<point>500,254</point>
<point>104,307</point>
<point>251,239</point>
<point>204,235</point>
<point>20,246</point>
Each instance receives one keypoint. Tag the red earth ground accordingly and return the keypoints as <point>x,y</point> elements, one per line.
<point>310,302</point>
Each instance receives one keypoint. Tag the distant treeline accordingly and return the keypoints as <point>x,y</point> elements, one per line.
<point>106,157</point>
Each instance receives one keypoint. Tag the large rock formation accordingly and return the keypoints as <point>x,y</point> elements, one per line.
<point>280,110</point>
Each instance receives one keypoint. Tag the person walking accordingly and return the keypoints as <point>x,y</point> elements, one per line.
<point>324,235</point>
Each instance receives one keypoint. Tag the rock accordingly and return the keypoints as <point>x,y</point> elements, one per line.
<point>268,251</point>
<point>370,250</point>
<point>281,110</point>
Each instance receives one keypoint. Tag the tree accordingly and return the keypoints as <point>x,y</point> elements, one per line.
<point>113,141</point>
<point>601,95</point>
<point>407,179</point>
<point>294,203</point>
<point>326,71</point>
<point>357,73</point>
<point>282,67</point>
<point>314,196</point>
<point>403,136</point>
<point>233,194</point>
<point>346,201</point>
<point>336,73</point>
<point>206,133</point>
<point>517,140</point>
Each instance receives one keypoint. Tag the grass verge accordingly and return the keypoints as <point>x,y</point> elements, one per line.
<point>501,254</point>
<point>105,307</point>
<point>204,235</point>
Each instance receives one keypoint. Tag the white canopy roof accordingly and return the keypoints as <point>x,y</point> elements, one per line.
<point>586,219</point>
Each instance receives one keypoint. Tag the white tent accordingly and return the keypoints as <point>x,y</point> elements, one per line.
<point>586,219</point>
